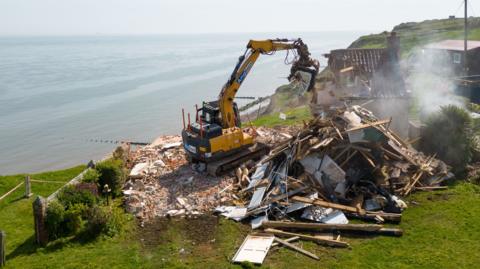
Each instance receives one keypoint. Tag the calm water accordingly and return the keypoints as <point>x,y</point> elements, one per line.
<point>57,93</point>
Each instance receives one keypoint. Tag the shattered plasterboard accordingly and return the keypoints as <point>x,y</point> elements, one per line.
<point>137,169</point>
<point>232,212</point>
<point>257,222</point>
<point>254,249</point>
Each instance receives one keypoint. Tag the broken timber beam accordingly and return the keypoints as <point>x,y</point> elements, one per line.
<point>289,240</point>
<point>328,242</point>
<point>321,203</point>
<point>291,246</point>
<point>322,226</point>
<point>371,228</point>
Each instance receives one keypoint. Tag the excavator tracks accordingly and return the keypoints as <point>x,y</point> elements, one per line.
<point>228,163</point>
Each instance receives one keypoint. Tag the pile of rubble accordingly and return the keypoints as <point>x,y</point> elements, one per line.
<point>350,165</point>
<point>162,182</point>
<point>315,178</point>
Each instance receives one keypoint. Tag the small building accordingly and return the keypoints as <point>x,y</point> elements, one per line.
<point>447,56</point>
<point>368,72</point>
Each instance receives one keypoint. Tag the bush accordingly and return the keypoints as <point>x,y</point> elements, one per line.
<point>54,220</point>
<point>103,220</point>
<point>73,218</point>
<point>91,176</point>
<point>111,173</point>
<point>449,134</point>
<point>83,193</point>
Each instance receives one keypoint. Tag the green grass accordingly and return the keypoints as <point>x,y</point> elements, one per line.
<point>413,35</point>
<point>440,231</point>
<point>16,220</point>
<point>294,116</point>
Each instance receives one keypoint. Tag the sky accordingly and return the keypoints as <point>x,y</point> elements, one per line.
<point>137,17</point>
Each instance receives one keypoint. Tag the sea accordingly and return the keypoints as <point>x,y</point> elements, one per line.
<point>65,100</point>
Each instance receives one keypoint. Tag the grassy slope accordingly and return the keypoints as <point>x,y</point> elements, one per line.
<point>17,221</point>
<point>417,34</point>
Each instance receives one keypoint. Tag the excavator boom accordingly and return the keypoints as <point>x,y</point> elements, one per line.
<point>215,137</point>
<point>245,64</point>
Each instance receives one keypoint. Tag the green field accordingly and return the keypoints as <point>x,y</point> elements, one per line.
<point>441,231</point>
<point>415,34</point>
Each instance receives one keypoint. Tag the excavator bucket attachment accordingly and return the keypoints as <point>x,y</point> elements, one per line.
<point>303,79</point>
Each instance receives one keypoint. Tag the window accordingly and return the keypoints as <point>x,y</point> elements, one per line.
<point>457,58</point>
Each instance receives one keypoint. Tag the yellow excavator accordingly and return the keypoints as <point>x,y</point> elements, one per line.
<point>216,137</point>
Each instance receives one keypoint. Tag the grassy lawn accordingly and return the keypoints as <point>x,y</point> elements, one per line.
<point>16,220</point>
<point>441,231</point>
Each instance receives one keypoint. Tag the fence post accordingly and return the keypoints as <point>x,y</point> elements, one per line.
<point>2,248</point>
<point>39,214</point>
<point>28,187</point>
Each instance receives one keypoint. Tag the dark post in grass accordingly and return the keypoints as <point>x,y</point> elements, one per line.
<point>2,248</point>
<point>28,187</point>
<point>39,214</point>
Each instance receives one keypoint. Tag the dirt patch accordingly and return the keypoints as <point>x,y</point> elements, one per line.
<point>199,230</point>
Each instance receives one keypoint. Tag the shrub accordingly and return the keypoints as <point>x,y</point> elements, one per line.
<point>111,173</point>
<point>54,220</point>
<point>91,176</point>
<point>103,220</point>
<point>78,194</point>
<point>449,134</point>
<point>73,221</point>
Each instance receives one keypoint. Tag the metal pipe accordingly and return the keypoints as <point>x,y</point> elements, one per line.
<point>465,45</point>
<point>183,118</point>
<point>196,109</point>
<point>201,129</point>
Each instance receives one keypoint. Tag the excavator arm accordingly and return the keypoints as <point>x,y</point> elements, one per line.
<point>245,64</point>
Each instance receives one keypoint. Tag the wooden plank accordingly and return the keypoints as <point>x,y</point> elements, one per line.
<point>290,246</point>
<point>332,243</point>
<point>363,126</point>
<point>329,205</point>
<point>291,239</point>
<point>314,227</point>
<point>322,226</point>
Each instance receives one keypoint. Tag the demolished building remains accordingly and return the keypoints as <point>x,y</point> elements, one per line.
<point>313,181</point>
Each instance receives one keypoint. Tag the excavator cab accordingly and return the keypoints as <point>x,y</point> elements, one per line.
<point>198,135</point>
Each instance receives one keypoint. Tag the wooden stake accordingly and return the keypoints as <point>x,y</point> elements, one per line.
<point>290,246</point>
<point>332,243</point>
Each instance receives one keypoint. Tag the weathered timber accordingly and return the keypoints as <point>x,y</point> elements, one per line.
<point>290,246</point>
<point>332,243</point>
<point>39,215</point>
<point>329,205</point>
<point>322,226</point>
